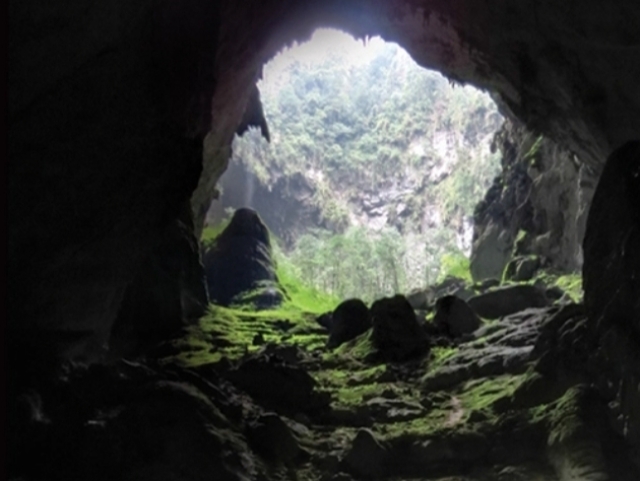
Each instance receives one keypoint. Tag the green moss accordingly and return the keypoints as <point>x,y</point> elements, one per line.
<point>211,233</point>
<point>435,422</point>
<point>572,285</point>
<point>227,332</point>
<point>532,155</point>
<point>482,394</point>
<point>360,349</point>
<point>439,355</point>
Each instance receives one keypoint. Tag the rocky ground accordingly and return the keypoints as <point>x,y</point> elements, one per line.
<point>258,395</point>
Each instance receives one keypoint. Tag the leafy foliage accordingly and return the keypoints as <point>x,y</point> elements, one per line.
<point>384,124</point>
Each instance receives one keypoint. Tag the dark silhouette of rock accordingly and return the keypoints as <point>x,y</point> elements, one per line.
<point>240,263</point>
<point>167,294</point>
<point>612,243</point>
<point>611,281</point>
<point>271,437</point>
<point>278,386</point>
<point>254,115</point>
<point>455,317</point>
<point>396,332</point>
<point>507,300</point>
<point>325,320</point>
<point>350,319</point>
<point>367,456</point>
<point>522,268</point>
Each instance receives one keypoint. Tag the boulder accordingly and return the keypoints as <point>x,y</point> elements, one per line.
<point>325,320</point>
<point>270,436</point>
<point>522,268</point>
<point>420,298</point>
<point>278,386</point>
<point>366,458</point>
<point>508,300</point>
<point>350,319</point>
<point>491,253</point>
<point>240,263</point>
<point>396,334</point>
<point>455,317</point>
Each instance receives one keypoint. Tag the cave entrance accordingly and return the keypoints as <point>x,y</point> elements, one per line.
<point>373,168</point>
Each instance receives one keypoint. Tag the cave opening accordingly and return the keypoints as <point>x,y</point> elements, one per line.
<point>367,168</point>
<point>109,104</point>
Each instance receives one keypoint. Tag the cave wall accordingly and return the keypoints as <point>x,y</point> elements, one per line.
<point>108,105</point>
<point>120,112</point>
<point>537,205</point>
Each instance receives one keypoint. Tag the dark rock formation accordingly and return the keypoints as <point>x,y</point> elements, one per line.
<point>522,268</point>
<point>507,300</point>
<point>536,207</point>
<point>325,320</point>
<point>277,385</point>
<point>455,317</point>
<point>367,456</point>
<point>450,286</point>
<point>270,436</point>
<point>396,333</point>
<point>350,319</point>
<point>612,243</point>
<point>254,115</point>
<point>239,263</point>
<point>178,296</point>
<point>611,276</point>
<point>130,422</point>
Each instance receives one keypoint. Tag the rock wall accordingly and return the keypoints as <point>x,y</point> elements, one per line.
<point>286,205</point>
<point>612,290</point>
<point>536,206</point>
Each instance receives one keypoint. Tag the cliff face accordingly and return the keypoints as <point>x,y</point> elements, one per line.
<point>537,206</point>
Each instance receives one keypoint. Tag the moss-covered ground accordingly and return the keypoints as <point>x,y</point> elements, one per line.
<point>364,391</point>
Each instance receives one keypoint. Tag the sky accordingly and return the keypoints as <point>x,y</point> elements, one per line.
<point>323,42</point>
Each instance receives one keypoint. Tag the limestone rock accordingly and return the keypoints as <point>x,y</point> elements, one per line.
<point>507,300</point>
<point>270,436</point>
<point>350,319</point>
<point>612,243</point>
<point>536,207</point>
<point>396,332</point>
<point>240,262</point>
<point>366,456</point>
<point>611,280</point>
<point>491,253</point>
<point>277,385</point>
<point>167,294</point>
<point>522,268</point>
<point>325,320</point>
<point>420,298</point>
<point>455,317</point>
